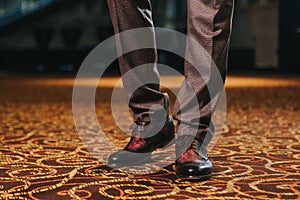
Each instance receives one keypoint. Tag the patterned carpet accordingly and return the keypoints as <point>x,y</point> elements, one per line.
<point>41,156</point>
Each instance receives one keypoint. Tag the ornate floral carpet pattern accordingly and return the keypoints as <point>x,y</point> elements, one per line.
<point>257,155</point>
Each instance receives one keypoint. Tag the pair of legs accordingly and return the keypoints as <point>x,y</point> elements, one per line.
<point>208,25</point>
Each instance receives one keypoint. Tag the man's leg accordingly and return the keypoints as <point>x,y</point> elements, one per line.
<point>127,15</point>
<point>208,24</point>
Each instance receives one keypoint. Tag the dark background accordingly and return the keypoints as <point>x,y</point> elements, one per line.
<point>56,35</point>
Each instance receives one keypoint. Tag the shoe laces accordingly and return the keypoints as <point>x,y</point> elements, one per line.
<point>194,145</point>
<point>192,149</point>
<point>138,135</point>
<point>192,152</point>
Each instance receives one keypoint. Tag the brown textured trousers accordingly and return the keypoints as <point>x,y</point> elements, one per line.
<point>209,24</point>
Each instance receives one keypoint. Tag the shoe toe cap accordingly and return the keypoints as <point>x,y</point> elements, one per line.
<point>193,169</point>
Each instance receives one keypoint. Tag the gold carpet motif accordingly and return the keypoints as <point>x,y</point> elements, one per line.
<point>42,157</point>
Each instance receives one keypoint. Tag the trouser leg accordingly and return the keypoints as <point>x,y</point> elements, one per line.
<point>126,15</point>
<point>208,24</point>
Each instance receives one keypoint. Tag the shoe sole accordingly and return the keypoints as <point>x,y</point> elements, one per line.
<point>195,178</point>
<point>141,161</point>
